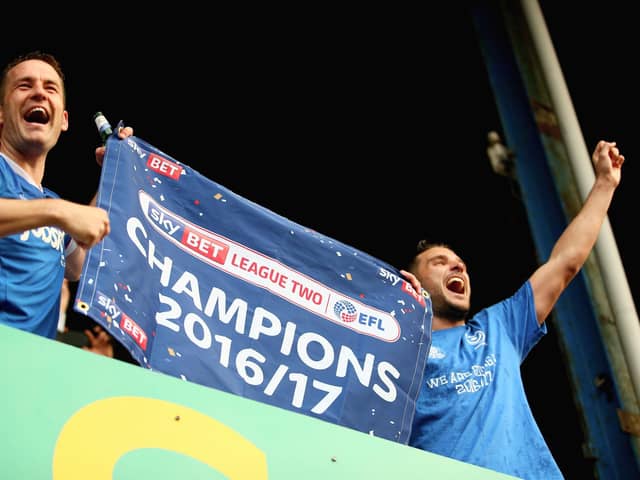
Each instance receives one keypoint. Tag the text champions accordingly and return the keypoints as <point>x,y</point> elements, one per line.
<point>205,316</point>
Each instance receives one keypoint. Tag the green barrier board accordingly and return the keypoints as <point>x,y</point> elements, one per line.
<point>69,414</point>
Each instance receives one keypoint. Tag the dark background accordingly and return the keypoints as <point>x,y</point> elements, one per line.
<point>368,126</point>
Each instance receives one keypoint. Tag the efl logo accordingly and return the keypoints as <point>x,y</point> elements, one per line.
<point>362,321</point>
<point>345,311</point>
<point>164,167</point>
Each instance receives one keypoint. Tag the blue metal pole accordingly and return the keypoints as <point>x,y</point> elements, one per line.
<point>531,129</point>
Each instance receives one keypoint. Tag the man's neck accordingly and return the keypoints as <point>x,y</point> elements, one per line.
<point>33,166</point>
<point>442,323</point>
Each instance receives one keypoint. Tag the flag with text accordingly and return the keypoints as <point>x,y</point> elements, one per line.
<point>202,284</point>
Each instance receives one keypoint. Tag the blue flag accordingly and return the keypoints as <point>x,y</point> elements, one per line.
<point>204,285</point>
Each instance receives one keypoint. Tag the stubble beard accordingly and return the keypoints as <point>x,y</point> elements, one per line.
<point>446,310</point>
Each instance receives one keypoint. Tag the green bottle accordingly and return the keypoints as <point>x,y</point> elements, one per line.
<point>103,125</point>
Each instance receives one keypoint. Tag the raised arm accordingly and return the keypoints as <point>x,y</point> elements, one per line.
<point>576,242</point>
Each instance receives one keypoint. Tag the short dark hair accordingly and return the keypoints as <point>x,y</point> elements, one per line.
<point>33,55</point>
<point>421,246</point>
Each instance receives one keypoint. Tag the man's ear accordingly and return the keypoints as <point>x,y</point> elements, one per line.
<point>65,121</point>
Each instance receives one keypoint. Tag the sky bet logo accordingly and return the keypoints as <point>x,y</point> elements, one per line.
<point>164,167</point>
<point>126,323</point>
<point>189,237</point>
